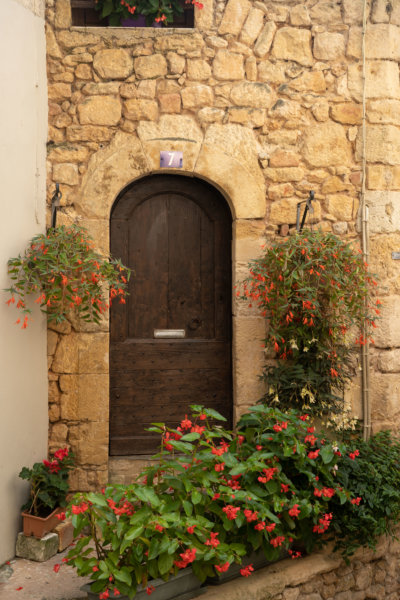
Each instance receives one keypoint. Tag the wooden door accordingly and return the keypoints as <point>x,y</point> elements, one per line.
<point>174,232</point>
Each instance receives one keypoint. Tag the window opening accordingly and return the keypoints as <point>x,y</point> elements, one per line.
<point>85,14</point>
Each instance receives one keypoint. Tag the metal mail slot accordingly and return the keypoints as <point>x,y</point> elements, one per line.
<point>169,333</point>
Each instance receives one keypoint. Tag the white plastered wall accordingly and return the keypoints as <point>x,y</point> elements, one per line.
<point>23,365</point>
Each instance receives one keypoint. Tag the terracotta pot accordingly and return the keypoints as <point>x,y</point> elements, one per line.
<point>39,526</point>
<point>182,586</point>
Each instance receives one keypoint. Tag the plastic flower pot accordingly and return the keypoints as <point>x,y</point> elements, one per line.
<point>182,586</point>
<point>39,526</point>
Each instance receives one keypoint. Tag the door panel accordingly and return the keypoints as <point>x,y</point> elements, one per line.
<point>175,233</point>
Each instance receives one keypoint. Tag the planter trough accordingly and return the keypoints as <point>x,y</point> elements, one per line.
<point>182,586</point>
<point>257,559</point>
<point>39,526</point>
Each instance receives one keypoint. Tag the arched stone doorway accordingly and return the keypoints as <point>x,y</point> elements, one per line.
<point>171,343</point>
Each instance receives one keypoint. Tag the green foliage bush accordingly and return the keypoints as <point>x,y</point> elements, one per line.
<point>49,483</point>
<point>66,272</point>
<point>374,477</point>
<point>315,291</point>
<point>211,497</point>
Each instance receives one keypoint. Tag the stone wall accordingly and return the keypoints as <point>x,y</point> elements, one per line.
<point>265,101</point>
<point>322,576</point>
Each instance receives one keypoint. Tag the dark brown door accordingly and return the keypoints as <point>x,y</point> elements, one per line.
<point>174,232</point>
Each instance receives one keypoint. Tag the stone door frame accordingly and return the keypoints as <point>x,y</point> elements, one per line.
<point>110,170</point>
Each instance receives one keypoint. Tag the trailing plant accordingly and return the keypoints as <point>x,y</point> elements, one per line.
<point>315,291</point>
<point>66,272</point>
<point>49,483</point>
<point>374,480</point>
<point>159,11</point>
<point>211,497</point>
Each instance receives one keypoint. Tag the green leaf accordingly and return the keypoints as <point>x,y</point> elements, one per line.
<point>96,499</point>
<point>134,532</point>
<point>190,437</point>
<point>196,497</point>
<point>123,575</point>
<point>327,454</point>
<point>165,563</point>
<point>154,548</point>
<point>187,507</point>
<point>210,412</point>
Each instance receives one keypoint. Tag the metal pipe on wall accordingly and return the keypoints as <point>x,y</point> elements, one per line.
<point>364,235</point>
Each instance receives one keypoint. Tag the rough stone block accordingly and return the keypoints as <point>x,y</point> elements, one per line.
<point>383,144</point>
<point>256,95</point>
<point>113,64</point>
<point>284,158</point>
<point>176,63</point>
<point>383,41</point>
<point>234,16</point>
<point>342,207</point>
<point>92,445</point>
<point>93,399</point>
<point>387,335</point>
<point>66,173</point>
<point>251,117</point>
<point>59,91</point>
<point>353,12</point>
<point>89,133</point>
<point>150,67</point>
<point>101,88</point>
<point>93,353</point>
<point>137,109</point>
<point>326,144</point>
<point>264,40</point>
<point>270,72</point>
<point>382,80</point>
<point>100,110</point>
<point>293,44</point>
<point>383,177</point>
<point>329,46</point>
<point>170,103</point>
<point>198,70</point>
<point>66,356</point>
<point>228,65</point>
<point>252,26</point>
<point>326,12</point>
<point>313,81</point>
<point>284,174</point>
<point>349,113</point>
<point>384,111</point>
<point>65,532</point>
<point>63,14</point>
<point>299,15</point>
<point>34,549</point>
<point>197,96</point>
<point>384,211</point>
<point>284,211</point>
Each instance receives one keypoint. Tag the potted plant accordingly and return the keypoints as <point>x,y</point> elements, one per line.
<point>140,13</point>
<point>48,493</point>
<point>211,498</point>
<point>67,274</point>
